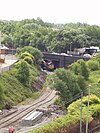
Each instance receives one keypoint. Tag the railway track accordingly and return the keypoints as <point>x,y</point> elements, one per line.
<point>46,98</point>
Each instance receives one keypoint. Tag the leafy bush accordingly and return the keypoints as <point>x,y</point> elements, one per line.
<point>80,68</point>
<point>93,65</point>
<point>23,55</point>
<point>58,101</point>
<point>18,50</point>
<point>95,109</point>
<point>82,83</point>
<point>93,100</point>
<point>65,83</point>
<point>75,67</point>
<point>12,90</point>
<point>34,52</point>
<point>97,57</point>
<point>76,105</point>
<point>28,60</point>
<point>94,81</point>
<point>1,92</point>
<point>13,84</point>
<point>23,72</point>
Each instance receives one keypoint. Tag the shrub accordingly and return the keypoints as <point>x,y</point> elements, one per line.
<point>37,54</point>
<point>58,101</point>
<point>95,110</point>
<point>23,55</point>
<point>93,100</point>
<point>28,60</point>
<point>23,72</point>
<point>79,68</point>
<point>76,105</point>
<point>65,83</point>
<point>97,57</point>
<point>93,65</point>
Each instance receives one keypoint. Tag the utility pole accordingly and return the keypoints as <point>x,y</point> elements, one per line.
<point>81,112</point>
<point>88,109</point>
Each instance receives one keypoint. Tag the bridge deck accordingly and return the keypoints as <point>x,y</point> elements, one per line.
<point>63,60</point>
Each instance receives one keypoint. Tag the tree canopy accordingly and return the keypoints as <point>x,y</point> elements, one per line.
<point>67,84</point>
<point>47,36</point>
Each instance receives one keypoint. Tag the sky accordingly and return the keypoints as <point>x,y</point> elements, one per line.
<point>53,11</point>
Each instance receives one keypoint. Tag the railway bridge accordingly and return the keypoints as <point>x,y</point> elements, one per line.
<point>62,60</point>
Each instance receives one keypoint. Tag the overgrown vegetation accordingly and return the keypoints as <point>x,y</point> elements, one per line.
<point>94,78</point>
<point>49,37</point>
<point>13,91</point>
<point>16,84</point>
<point>70,122</point>
<point>72,81</point>
<point>27,36</point>
<point>68,84</point>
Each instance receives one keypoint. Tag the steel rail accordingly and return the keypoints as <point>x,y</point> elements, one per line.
<point>4,122</point>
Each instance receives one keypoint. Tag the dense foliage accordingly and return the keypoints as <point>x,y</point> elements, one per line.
<point>23,72</point>
<point>16,84</point>
<point>27,36</point>
<point>82,74</point>
<point>80,68</point>
<point>94,78</point>
<point>49,37</point>
<point>74,107</point>
<point>67,84</point>
<point>34,53</point>
<point>94,63</point>
<point>11,90</point>
<point>70,82</point>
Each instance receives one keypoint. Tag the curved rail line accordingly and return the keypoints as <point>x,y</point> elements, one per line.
<point>4,122</point>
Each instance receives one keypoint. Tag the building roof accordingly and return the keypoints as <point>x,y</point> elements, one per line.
<point>3,47</point>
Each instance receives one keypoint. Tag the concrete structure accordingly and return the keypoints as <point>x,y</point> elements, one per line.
<point>8,63</point>
<point>62,60</point>
<point>32,118</point>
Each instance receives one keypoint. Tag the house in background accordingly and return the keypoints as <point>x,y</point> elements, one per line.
<point>3,49</point>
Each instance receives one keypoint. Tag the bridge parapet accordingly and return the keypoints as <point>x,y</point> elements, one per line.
<point>61,61</point>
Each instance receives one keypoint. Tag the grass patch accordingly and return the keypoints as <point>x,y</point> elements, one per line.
<point>33,97</point>
<point>12,91</point>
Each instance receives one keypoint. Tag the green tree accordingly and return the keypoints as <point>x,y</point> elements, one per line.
<point>1,92</point>
<point>65,82</point>
<point>97,58</point>
<point>93,65</point>
<point>23,55</point>
<point>84,69</point>
<point>23,72</point>
<point>82,83</point>
<point>29,60</point>
<point>34,52</point>
<point>80,68</point>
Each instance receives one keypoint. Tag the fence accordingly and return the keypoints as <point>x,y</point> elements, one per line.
<point>7,68</point>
